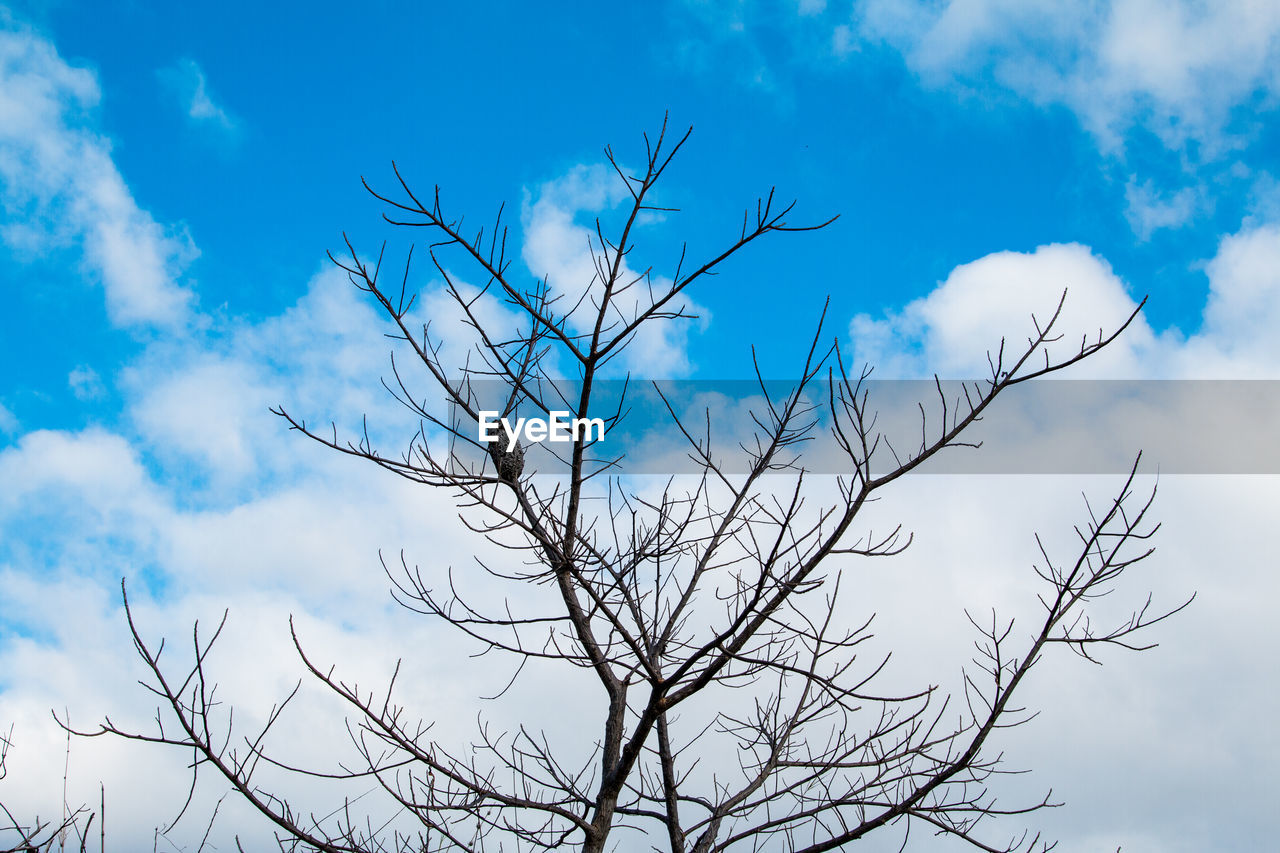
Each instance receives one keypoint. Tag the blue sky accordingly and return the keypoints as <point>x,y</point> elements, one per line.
<point>172,176</point>
<point>926,173</point>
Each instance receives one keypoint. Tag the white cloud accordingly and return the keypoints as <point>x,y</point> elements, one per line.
<point>95,464</point>
<point>186,79</point>
<point>83,664</point>
<point>1148,210</point>
<point>8,420</point>
<point>1264,196</point>
<point>456,342</point>
<point>1244,293</point>
<point>951,330</point>
<point>103,504</point>
<point>559,247</point>
<point>95,505</point>
<point>201,406</point>
<point>61,187</point>
<point>85,383</point>
<point>207,412</point>
<point>78,499</point>
<point>843,40</point>
<point>1238,337</point>
<point>1188,709</point>
<point>1179,69</point>
<point>307,545</point>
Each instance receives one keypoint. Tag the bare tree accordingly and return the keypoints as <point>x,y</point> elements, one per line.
<point>71,829</point>
<point>721,589</point>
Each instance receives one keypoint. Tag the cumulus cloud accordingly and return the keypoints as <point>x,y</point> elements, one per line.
<point>202,412</point>
<point>1002,296</point>
<point>61,187</point>
<point>79,499</point>
<point>298,531</point>
<point>1136,710</point>
<point>1188,708</point>
<point>307,544</point>
<point>1237,337</point>
<point>203,406</point>
<point>950,330</point>
<point>209,503</point>
<point>559,247</point>
<point>80,662</point>
<point>1179,69</point>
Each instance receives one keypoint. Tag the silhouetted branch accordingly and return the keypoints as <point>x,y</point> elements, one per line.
<point>707,613</point>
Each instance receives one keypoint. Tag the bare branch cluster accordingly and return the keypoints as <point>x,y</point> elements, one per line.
<point>722,592</point>
<point>71,829</point>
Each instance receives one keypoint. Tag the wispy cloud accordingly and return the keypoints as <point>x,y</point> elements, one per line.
<point>198,490</point>
<point>1186,84</point>
<point>1180,70</point>
<point>187,82</point>
<point>8,421</point>
<point>60,187</point>
<point>1149,210</point>
<point>85,383</point>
